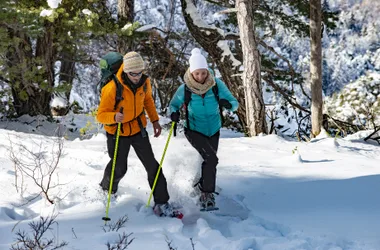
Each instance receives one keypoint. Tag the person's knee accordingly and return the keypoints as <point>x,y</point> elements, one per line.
<point>110,154</point>
<point>152,171</point>
<point>120,171</point>
<point>212,159</point>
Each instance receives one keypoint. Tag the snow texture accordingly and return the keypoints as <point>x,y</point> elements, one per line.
<point>274,193</point>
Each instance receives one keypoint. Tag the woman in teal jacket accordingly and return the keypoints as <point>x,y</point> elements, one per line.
<point>204,94</point>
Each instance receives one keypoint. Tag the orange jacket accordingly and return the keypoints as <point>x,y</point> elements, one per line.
<point>134,106</point>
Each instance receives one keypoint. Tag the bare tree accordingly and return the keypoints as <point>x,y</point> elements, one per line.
<point>254,102</point>
<point>117,225</point>
<point>38,240</point>
<point>37,164</point>
<point>316,67</point>
<point>122,243</point>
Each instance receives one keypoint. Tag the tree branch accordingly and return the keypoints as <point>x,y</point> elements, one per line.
<point>292,71</point>
<point>275,71</point>
<point>232,36</point>
<point>224,3</point>
<point>284,94</point>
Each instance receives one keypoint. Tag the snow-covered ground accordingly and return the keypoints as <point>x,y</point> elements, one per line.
<point>274,194</point>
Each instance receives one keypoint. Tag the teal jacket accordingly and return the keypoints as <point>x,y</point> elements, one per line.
<point>204,114</point>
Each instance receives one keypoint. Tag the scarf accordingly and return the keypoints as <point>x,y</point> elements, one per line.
<point>196,87</point>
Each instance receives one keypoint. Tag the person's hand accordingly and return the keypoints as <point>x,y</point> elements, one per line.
<point>157,129</point>
<point>119,117</point>
<point>175,116</point>
<point>225,103</point>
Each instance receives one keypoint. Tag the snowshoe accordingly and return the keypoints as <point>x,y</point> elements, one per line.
<point>166,210</point>
<point>207,201</point>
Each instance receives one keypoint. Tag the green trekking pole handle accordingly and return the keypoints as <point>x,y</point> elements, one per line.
<point>106,218</point>
<point>159,168</point>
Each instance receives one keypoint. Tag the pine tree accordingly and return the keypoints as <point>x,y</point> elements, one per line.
<point>32,44</point>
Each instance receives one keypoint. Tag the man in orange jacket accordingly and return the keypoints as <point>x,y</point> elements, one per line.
<point>136,99</point>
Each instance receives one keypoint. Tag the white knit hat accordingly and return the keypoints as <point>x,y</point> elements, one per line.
<point>197,60</point>
<point>133,62</point>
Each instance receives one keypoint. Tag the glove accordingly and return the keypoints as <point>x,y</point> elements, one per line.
<point>175,116</point>
<point>225,103</point>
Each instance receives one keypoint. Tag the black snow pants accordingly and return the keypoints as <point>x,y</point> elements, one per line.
<point>207,148</point>
<point>145,153</point>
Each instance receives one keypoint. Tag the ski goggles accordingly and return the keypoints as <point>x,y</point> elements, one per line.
<point>134,74</point>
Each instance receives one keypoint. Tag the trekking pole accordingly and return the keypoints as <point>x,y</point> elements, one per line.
<point>106,218</point>
<point>159,168</point>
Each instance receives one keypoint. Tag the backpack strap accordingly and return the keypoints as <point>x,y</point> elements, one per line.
<point>145,87</point>
<point>119,91</point>
<point>187,101</point>
<point>215,90</point>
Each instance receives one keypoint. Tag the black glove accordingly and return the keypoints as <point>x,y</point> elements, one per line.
<point>175,116</point>
<point>225,103</point>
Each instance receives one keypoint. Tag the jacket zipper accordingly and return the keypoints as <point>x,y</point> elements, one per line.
<point>203,100</point>
<point>134,100</point>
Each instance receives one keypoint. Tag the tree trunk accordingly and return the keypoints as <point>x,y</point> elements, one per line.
<point>211,40</point>
<point>316,67</point>
<point>255,108</point>
<point>31,94</point>
<point>66,78</point>
<point>67,71</point>
<point>19,55</point>
<point>45,52</point>
<point>125,13</point>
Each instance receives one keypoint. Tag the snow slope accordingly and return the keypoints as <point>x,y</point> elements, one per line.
<point>275,194</point>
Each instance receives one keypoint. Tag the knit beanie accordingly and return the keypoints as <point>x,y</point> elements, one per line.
<point>197,60</point>
<point>133,62</point>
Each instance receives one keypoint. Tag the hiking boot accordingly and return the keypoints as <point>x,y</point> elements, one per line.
<point>164,210</point>
<point>207,200</point>
<point>113,191</point>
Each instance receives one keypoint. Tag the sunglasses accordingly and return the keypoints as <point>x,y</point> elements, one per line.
<point>134,74</point>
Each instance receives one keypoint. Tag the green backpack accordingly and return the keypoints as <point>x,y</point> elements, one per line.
<point>109,65</point>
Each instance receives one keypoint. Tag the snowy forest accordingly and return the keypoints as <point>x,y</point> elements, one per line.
<point>303,144</point>
<point>50,54</point>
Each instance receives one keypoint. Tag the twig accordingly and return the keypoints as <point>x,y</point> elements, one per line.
<point>122,243</point>
<point>117,225</point>
<point>169,242</point>
<point>38,239</point>
<point>192,243</point>
<point>72,230</point>
<point>300,124</point>
<point>377,138</point>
